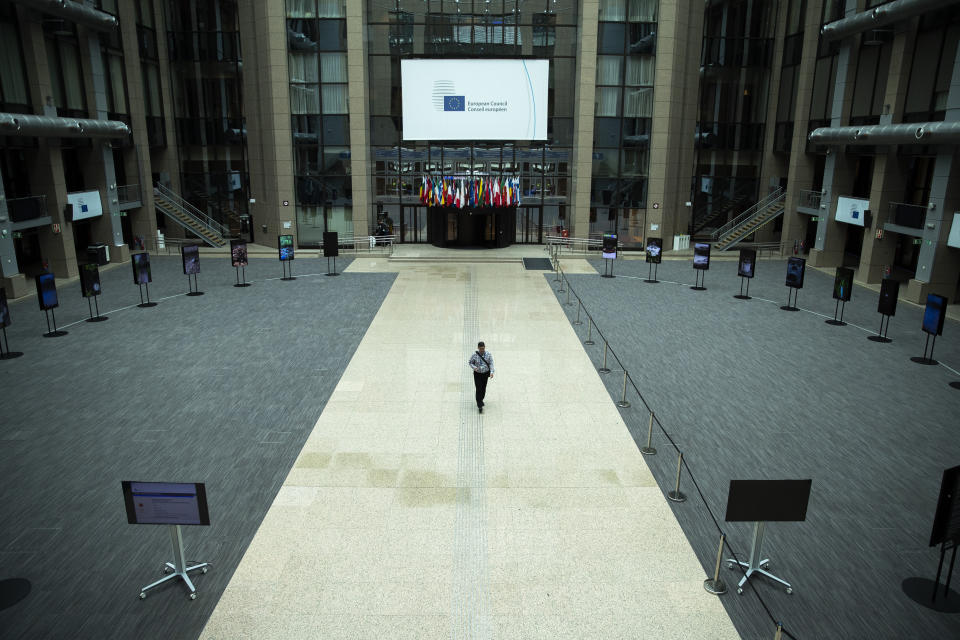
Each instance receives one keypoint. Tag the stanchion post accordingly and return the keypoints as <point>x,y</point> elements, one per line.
<point>716,585</point>
<point>676,495</point>
<point>589,339</point>
<point>648,450</point>
<point>568,303</point>
<point>577,321</point>
<point>563,277</point>
<point>604,368</point>
<point>623,404</point>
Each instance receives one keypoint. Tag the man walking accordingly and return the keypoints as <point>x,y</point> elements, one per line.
<point>482,364</point>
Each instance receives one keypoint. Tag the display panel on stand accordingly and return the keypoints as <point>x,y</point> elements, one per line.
<point>191,259</point>
<point>934,314</point>
<point>889,292</point>
<point>701,255</point>
<point>609,250</point>
<point>238,253</point>
<point>89,280</point>
<point>796,267</point>
<point>286,247</point>
<point>748,258</point>
<point>174,503</point>
<point>47,291</point>
<point>141,268</point>
<point>843,284</point>
<point>654,250</point>
<point>4,309</point>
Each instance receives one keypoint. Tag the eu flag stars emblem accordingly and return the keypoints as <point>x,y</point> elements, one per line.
<point>454,103</point>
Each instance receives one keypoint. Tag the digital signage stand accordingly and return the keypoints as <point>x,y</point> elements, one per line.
<point>146,304</point>
<point>97,317</point>
<point>791,293</point>
<point>882,336</point>
<point>244,283</point>
<point>55,333</point>
<point>193,289</point>
<point>841,304</point>
<point>744,295</point>
<point>652,273</point>
<point>179,560</point>
<point>287,266</point>
<point>927,358</point>
<point>762,501</point>
<point>698,282</point>
<point>334,272</point>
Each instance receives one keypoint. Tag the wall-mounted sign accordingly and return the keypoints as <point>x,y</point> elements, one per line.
<point>879,234</point>
<point>852,210</point>
<point>56,227</point>
<point>286,203</point>
<point>953,240</point>
<point>85,204</point>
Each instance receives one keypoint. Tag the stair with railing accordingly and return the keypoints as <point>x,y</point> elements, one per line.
<point>718,212</point>
<point>188,216</point>
<point>750,220</point>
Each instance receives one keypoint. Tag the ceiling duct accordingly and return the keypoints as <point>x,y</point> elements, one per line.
<point>73,12</point>
<point>18,124</point>
<point>881,16</point>
<point>885,134</point>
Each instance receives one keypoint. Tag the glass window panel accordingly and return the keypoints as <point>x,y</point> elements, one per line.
<point>863,89</point>
<point>613,10</point>
<point>920,94</point>
<point>53,63</point>
<point>610,70</point>
<point>13,84</point>
<point>638,103</point>
<point>301,8</point>
<point>333,67</point>
<point>611,37</point>
<point>561,131</point>
<point>643,11</point>
<point>605,162</point>
<point>303,67</point>
<point>608,102</point>
<point>640,70</point>
<point>117,87</point>
<point>304,98</point>
<point>331,9</point>
<point>634,162</point>
<point>566,42</point>
<point>340,219</point>
<point>332,35</point>
<point>152,80</point>
<point>606,132</point>
<point>383,131</point>
<point>335,98</point>
<point>72,76</point>
<point>336,160</point>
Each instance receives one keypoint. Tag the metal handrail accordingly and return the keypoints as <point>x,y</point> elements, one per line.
<point>809,198</point>
<point>573,245</point>
<point>128,193</point>
<point>749,213</point>
<point>190,210</point>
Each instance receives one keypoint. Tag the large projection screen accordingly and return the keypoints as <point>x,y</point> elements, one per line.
<point>474,99</point>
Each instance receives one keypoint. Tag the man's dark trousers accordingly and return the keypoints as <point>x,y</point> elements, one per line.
<point>480,382</point>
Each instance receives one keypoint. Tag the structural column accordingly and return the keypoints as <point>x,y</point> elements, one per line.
<point>357,78</point>
<point>584,109</point>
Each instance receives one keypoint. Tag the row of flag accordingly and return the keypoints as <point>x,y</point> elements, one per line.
<point>470,192</point>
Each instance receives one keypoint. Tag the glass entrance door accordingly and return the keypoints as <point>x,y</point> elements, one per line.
<point>413,227</point>
<point>528,225</point>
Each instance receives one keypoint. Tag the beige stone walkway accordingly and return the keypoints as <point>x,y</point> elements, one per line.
<point>408,515</point>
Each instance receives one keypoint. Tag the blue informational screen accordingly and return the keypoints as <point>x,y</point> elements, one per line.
<point>4,309</point>
<point>166,502</point>
<point>934,314</point>
<point>47,291</point>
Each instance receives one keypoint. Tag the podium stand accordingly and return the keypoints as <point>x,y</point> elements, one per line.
<point>762,501</point>
<point>178,566</point>
<point>756,565</point>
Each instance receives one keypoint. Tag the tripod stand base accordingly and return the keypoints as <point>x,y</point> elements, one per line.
<point>10,355</point>
<point>836,323</point>
<point>55,334</point>
<point>331,274</point>
<point>144,305</point>
<point>699,288</point>
<point>98,319</point>
<point>716,587</point>
<point>761,569</point>
<point>173,576</point>
<point>742,297</point>
<point>922,360</point>
<point>195,293</point>
<point>288,279</point>
<point>879,339</point>
<point>652,281</point>
<point>789,308</point>
<point>243,284</point>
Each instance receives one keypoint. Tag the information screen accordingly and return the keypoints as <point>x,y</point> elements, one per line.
<point>934,314</point>
<point>191,259</point>
<point>701,255</point>
<point>946,522</point>
<point>89,280</point>
<point>141,268</point>
<point>795,270</point>
<point>843,284</point>
<point>47,291</point>
<point>889,292</point>
<point>4,309</point>
<point>286,247</point>
<point>166,502</point>
<point>748,258</point>
<point>609,250</point>
<point>488,99</point>
<point>654,250</point>
<point>238,253</point>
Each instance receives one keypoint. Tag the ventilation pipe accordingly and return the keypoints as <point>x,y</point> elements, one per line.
<point>912,133</point>
<point>18,124</point>
<point>73,12</point>
<point>885,14</point>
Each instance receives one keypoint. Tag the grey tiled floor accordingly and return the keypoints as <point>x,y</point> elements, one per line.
<point>749,391</point>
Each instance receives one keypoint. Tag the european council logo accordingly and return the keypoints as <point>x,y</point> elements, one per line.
<point>454,103</point>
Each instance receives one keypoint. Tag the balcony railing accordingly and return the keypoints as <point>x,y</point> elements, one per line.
<point>907,215</point>
<point>809,199</point>
<point>128,193</point>
<point>29,208</point>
